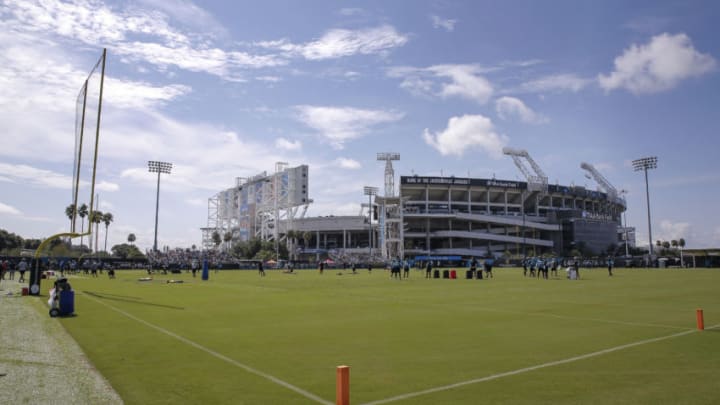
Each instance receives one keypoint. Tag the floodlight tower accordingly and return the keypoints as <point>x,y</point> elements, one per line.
<point>605,185</point>
<point>537,181</point>
<point>370,191</point>
<point>158,167</point>
<point>600,180</point>
<point>627,249</point>
<point>644,164</point>
<point>388,157</point>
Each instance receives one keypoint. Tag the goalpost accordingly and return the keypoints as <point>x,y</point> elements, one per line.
<point>87,116</point>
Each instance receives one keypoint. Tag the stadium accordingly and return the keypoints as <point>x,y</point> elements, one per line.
<point>442,218</point>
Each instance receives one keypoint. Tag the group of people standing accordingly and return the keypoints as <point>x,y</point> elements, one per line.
<point>540,267</point>
<point>487,266</point>
<point>8,267</point>
<point>396,266</point>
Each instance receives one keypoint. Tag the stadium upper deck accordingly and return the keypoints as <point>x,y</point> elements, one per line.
<point>476,217</point>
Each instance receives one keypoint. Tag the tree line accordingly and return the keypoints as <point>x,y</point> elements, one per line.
<point>664,247</point>
<point>258,249</point>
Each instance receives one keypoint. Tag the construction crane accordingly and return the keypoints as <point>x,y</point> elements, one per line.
<point>537,180</point>
<point>600,180</point>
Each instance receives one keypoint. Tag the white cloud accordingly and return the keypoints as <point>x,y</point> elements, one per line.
<point>673,231</point>
<point>127,94</point>
<point>188,13</point>
<point>80,20</point>
<point>215,61</point>
<point>346,163</point>
<point>465,133</point>
<point>507,107</point>
<point>106,186</point>
<point>657,66</point>
<point>341,124</point>
<point>287,144</point>
<point>8,210</point>
<point>418,86</point>
<point>339,43</point>
<point>447,24</point>
<point>555,83</point>
<point>38,105</point>
<point>465,81</point>
<point>136,35</point>
<point>140,136</point>
<point>33,176</point>
<point>269,79</point>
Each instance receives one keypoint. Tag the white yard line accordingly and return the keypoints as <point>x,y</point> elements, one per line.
<point>532,368</point>
<point>577,318</point>
<point>220,356</point>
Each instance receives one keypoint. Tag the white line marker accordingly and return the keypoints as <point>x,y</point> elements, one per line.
<point>574,318</point>
<point>249,369</point>
<point>533,368</point>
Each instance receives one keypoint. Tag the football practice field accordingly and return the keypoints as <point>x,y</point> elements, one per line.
<point>239,338</point>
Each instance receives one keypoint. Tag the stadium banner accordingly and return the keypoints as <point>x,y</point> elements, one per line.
<point>457,181</point>
<point>518,185</point>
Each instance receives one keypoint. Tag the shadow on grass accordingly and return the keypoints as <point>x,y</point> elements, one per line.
<point>131,300</point>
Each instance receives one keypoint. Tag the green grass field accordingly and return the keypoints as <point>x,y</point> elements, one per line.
<point>207,342</point>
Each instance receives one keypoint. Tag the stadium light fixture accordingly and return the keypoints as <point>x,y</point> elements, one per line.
<point>644,164</point>
<point>370,191</point>
<point>158,167</point>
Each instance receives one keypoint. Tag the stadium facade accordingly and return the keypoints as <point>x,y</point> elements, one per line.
<point>429,216</point>
<point>482,217</point>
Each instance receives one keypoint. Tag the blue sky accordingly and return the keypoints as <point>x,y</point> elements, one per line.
<point>225,89</point>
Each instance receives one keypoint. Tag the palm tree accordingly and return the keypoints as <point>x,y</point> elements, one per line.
<point>216,239</point>
<point>96,217</point>
<point>107,218</point>
<point>681,243</point>
<point>227,238</point>
<point>70,213</point>
<point>82,212</point>
<point>131,238</point>
<point>307,236</point>
<point>291,235</point>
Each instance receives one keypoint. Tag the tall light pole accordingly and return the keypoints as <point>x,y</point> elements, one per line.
<point>624,220</point>
<point>158,167</point>
<point>644,164</point>
<point>370,191</point>
<point>627,249</point>
<point>522,207</point>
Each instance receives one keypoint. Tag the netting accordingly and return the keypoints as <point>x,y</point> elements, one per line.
<point>88,109</point>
